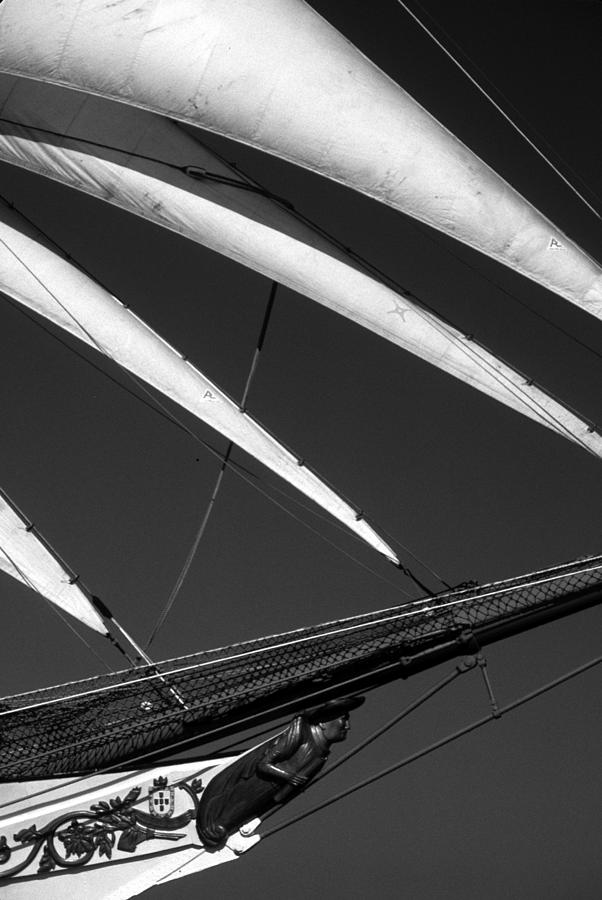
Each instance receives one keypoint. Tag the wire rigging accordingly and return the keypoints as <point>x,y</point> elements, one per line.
<point>251,478</point>
<point>351,625</point>
<point>240,471</point>
<point>218,483</point>
<point>203,174</point>
<point>52,606</point>
<point>431,235</point>
<point>427,695</point>
<point>448,739</point>
<point>509,103</point>
<point>514,390</point>
<point>497,106</point>
<point>252,184</point>
<point>440,322</point>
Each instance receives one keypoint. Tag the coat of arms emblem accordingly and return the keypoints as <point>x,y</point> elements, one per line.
<point>161,799</point>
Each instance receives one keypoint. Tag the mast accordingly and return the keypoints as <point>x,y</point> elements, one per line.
<point>102,722</point>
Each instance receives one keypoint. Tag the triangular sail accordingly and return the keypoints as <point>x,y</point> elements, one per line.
<point>25,556</point>
<point>35,275</point>
<point>277,76</point>
<point>141,168</point>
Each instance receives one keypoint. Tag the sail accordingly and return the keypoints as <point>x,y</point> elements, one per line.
<point>25,556</point>
<point>276,76</point>
<point>138,161</point>
<point>36,276</point>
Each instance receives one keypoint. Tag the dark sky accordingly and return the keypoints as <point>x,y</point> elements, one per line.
<point>472,488</point>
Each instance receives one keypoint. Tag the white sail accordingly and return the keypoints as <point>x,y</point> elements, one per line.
<point>140,167</point>
<point>169,849</point>
<point>277,76</point>
<point>36,276</point>
<point>27,558</point>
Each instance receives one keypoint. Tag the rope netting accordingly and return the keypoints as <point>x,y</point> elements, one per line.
<point>85,725</point>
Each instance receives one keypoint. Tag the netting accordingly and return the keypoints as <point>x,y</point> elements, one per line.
<point>86,725</point>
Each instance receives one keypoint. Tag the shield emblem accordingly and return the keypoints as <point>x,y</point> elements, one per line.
<point>161,800</point>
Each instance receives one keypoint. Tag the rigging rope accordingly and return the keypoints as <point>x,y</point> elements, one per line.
<point>460,669</point>
<point>201,531</point>
<point>496,105</point>
<point>252,184</point>
<point>26,580</point>
<point>425,309</point>
<point>345,626</point>
<point>448,739</point>
<point>192,552</point>
<point>252,479</point>
<point>196,173</point>
<point>65,783</point>
<point>155,401</point>
<point>155,406</point>
<point>431,235</point>
<point>517,392</point>
<point>421,753</point>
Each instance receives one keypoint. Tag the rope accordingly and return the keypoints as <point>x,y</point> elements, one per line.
<point>156,401</point>
<point>250,478</point>
<point>27,581</point>
<point>454,736</point>
<point>426,311</point>
<point>420,561</point>
<point>194,172</point>
<point>191,553</point>
<point>344,629</point>
<point>201,531</point>
<point>221,751</point>
<point>260,342</point>
<point>431,235</point>
<point>502,112</point>
<point>149,405</point>
<point>251,184</point>
<point>142,387</point>
<point>444,682</point>
<point>338,525</point>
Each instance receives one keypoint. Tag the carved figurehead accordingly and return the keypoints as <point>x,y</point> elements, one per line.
<point>272,773</point>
